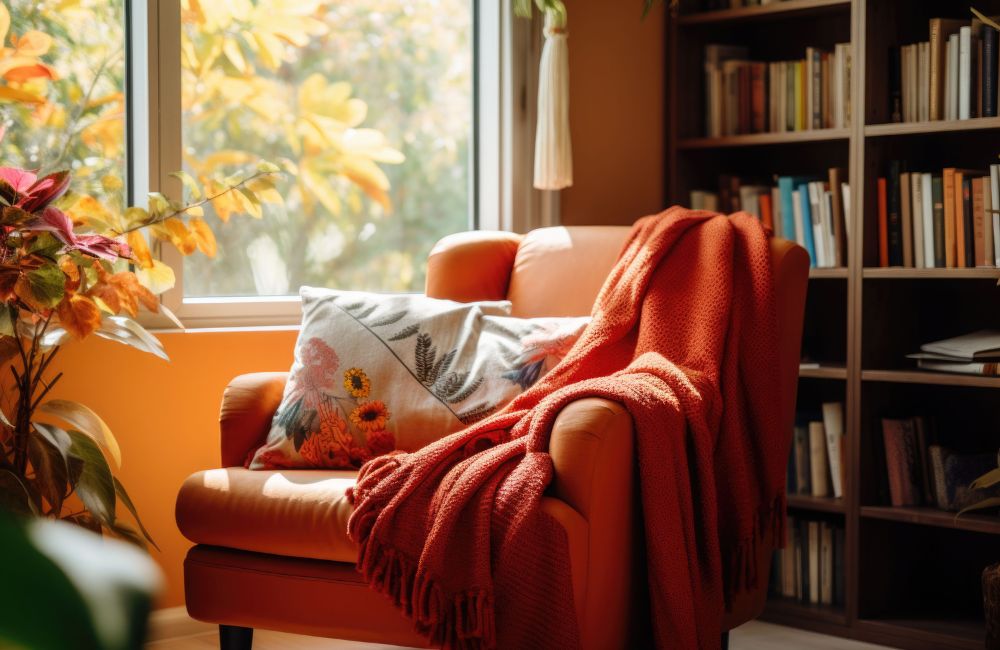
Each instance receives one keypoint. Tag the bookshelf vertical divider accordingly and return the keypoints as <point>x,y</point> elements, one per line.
<point>881,575</point>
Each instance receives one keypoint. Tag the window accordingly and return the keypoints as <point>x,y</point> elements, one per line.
<point>371,103</point>
<point>72,108</point>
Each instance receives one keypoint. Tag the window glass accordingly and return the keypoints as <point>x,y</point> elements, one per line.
<point>369,102</point>
<point>62,101</point>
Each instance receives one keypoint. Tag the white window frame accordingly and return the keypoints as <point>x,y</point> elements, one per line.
<point>507,50</point>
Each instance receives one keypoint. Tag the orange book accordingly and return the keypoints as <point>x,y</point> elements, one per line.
<point>765,211</point>
<point>948,195</point>
<point>979,219</point>
<point>883,225</point>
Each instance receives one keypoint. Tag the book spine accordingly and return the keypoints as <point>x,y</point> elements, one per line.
<point>883,225</point>
<point>995,217</point>
<point>964,73</point>
<point>757,97</point>
<point>839,547</point>
<point>819,467</point>
<point>791,96</point>
<point>936,454</point>
<point>905,195</point>
<point>967,242</point>
<point>917,210</point>
<point>950,250</point>
<point>978,222</point>
<point>826,564</point>
<point>815,214</point>
<point>814,586</point>
<point>940,228</point>
<point>893,210</point>
<point>936,65</point>
<point>803,472</point>
<point>839,237</point>
<point>807,235</point>
<point>787,208</point>
<point>833,426</point>
<point>895,85</point>
<point>817,89</point>
<point>988,244</point>
<point>953,76</point>
<point>928,216</point>
<point>989,40</point>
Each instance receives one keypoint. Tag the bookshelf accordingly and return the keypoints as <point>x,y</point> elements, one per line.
<point>911,575</point>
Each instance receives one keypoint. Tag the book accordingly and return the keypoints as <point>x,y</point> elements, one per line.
<point>917,212</point>
<point>927,213</point>
<point>839,220</point>
<point>979,345</point>
<point>940,239</point>
<point>965,72</point>
<point>995,202</point>
<point>952,71</point>
<point>988,38</point>
<point>923,79</point>
<point>948,199</point>
<point>833,427</point>
<point>939,31</point>
<point>936,453</point>
<point>895,85</point>
<point>978,222</point>
<point>967,242</point>
<point>906,196</point>
<point>826,564</point>
<point>925,438</point>
<point>883,224</point>
<point>983,368</point>
<point>901,457</point>
<point>803,473</point>
<point>894,214</point>
<point>813,546</point>
<point>807,231</point>
<point>839,547</point>
<point>818,466</point>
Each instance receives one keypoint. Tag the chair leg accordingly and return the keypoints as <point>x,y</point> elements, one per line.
<point>725,640</point>
<point>235,638</point>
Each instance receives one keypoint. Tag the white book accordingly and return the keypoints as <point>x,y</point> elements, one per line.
<point>975,346</point>
<point>750,199</point>
<point>927,211</point>
<point>819,245</point>
<point>995,200</point>
<point>800,230</point>
<point>924,80</point>
<point>917,214</point>
<point>833,426</point>
<point>845,202</point>
<point>964,72</point>
<point>952,77</point>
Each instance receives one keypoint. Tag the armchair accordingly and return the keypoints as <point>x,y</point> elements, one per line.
<point>271,546</point>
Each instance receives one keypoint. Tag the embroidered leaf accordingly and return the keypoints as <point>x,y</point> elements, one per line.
<point>476,413</point>
<point>366,313</point>
<point>354,306</point>
<point>469,390</point>
<point>442,365</point>
<point>389,320</point>
<point>405,333</point>
<point>448,384</point>
<point>424,358</point>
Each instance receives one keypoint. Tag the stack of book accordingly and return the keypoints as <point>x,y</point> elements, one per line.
<point>951,76</point>
<point>977,353</point>
<point>810,211</point>
<point>920,472</point>
<point>811,566</point>
<point>929,220</point>
<point>745,96</point>
<point>815,467</point>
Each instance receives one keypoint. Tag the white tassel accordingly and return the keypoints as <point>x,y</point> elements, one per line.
<point>553,153</point>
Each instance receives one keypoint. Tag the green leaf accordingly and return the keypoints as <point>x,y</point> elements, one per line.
<point>268,167</point>
<point>15,496</point>
<point>135,216</point>
<point>46,284</point>
<point>94,485</point>
<point>46,245</point>
<point>158,203</point>
<point>86,421</point>
<point>189,183</point>
<point>123,495</point>
<point>252,203</point>
<point>988,479</point>
<point>992,502</point>
<point>47,449</point>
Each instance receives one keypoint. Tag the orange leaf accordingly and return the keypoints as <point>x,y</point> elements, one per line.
<point>108,294</point>
<point>140,249</point>
<point>79,315</point>
<point>203,236</point>
<point>72,271</point>
<point>24,73</point>
<point>180,236</point>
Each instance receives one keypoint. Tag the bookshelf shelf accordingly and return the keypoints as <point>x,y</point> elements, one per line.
<point>775,9</point>
<point>764,139</point>
<point>932,378</point>
<point>894,273</point>
<point>934,517</point>
<point>937,126</point>
<point>823,372</point>
<point>817,504</point>
<point>781,610</point>
<point>828,274</point>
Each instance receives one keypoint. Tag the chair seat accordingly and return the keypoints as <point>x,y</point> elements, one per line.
<point>294,513</point>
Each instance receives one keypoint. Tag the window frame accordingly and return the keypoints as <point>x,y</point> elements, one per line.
<point>506,51</point>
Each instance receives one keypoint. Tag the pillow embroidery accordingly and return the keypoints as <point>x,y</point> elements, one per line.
<point>374,373</point>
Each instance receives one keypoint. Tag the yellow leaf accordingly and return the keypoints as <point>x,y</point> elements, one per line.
<point>13,95</point>
<point>180,236</point>
<point>86,422</point>
<point>203,236</point>
<point>321,189</point>
<point>231,48</point>
<point>79,315</point>
<point>111,183</point>
<point>158,278</point>
<point>4,23</point>
<point>223,202</point>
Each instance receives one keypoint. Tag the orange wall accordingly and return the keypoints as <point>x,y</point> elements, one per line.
<point>616,112</point>
<point>165,415</point>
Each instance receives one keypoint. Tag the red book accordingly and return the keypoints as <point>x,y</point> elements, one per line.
<point>901,461</point>
<point>757,112</point>
<point>765,211</point>
<point>883,225</point>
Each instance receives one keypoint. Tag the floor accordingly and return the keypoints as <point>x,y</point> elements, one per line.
<point>752,636</point>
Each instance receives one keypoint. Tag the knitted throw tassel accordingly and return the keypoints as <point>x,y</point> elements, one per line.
<point>553,153</point>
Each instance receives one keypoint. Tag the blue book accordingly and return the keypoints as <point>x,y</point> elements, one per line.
<point>786,185</point>
<point>807,224</point>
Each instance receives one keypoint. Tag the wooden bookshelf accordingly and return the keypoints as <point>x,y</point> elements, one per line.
<point>911,574</point>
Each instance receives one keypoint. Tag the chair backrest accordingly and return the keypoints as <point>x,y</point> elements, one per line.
<point>559,272</point>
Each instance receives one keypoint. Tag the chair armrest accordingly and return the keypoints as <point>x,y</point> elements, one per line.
<point>470,266</point>
<point>248,404</point>
<point>592,447</point>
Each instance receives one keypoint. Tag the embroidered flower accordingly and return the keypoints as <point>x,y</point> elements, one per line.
<point>370,416</point>
<point>326,447</point>
<point>356,382</point>
<point>319,365</point>
<point>274,459</point>
<point>381,442</point>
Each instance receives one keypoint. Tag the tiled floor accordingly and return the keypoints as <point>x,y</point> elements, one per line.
<point>752,636</point>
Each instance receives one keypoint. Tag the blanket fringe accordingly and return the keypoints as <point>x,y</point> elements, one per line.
<point>465,623</point>
<point>742,574</point>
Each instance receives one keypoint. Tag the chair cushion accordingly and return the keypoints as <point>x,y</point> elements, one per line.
<point>296,513</point>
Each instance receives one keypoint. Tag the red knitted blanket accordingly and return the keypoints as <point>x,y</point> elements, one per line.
<point>684,336</point>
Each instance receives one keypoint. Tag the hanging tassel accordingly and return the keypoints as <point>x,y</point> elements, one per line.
<point>553,153</point>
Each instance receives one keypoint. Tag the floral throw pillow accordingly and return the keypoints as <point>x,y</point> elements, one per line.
<point>374,373</point>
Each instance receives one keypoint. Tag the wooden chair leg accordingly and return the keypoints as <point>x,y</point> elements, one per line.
<point>725,640</point>
<point>235,638</point>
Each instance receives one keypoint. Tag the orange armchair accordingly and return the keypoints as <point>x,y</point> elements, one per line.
<point>271,546</point>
